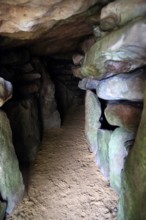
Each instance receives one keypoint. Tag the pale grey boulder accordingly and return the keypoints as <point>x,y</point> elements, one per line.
<point>123,87</point>
<point>11,182</point>
<point>92,116</point>
<point>119,51</point>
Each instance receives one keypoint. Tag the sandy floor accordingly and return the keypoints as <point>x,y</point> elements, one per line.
<point>64,183</point>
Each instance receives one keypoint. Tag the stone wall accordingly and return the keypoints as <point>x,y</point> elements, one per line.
<point>27,99</point>
<point>11,182</point>
<point>113,73</point>
<point>111,65</point>
<point>67,92</point>
<point>32,110</point>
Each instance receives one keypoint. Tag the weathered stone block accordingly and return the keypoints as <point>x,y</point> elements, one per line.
<point>11,183</point>
<point>77,59</point>
<point>132,204</point>
<point>102,154</point>
<point>3,207</point>
<point>123,87</point>
<point>92,116</point>
<point>119,144</point>
<point>120,51</point>
<point>49,113</point>
<point>76,70</point>
<point>121,12</point>
<point>123,115</point>
<point>25,123</point>
<point>29,77</point>
<point>87,83</point>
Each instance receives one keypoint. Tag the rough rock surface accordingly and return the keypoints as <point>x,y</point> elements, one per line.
<point>49,113</point>
<point>123,115</point>
<point>3,207</point>
<point>120,51</point>
<point>92,116</point>
<point>49,26</point>
<point>11,183</point>
<point>67,93</point>
<point>133,193</point>
<point>64,182</point>
<point>87,84</point>
<point>24,119</point>
<point>123,86</point>
<point>119,145</point>
<point>102,154</point>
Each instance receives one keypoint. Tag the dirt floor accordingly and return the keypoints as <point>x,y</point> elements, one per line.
<point>64,182</point>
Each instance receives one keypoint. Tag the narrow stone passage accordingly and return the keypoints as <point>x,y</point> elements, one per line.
<point>64,182</point>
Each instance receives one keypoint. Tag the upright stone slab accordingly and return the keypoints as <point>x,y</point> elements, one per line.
<point>25,123</point>
<point>102,154</point>
<point>92,116</point>
<point>49,112</point>
<point>119,51</point>
<point>11,183</point>
<point>132,205</point>
<point>119,145</point>
<point>123,87</point>
<point>123,115</point>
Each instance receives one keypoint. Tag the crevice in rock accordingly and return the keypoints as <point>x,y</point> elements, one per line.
<point>103,120</point>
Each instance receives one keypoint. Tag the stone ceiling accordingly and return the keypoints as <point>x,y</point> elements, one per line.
<point>47,26</point>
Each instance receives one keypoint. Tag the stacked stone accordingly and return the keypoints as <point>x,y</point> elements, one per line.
<point>32,109</point>
<point>113,73</point>
<point>11,182</point>
<point>66,85</point>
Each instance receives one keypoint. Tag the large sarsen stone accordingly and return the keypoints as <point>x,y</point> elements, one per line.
<point>11,183</point>
<point>92,116</point>
<point>123,87</point>
<point>119,51</point>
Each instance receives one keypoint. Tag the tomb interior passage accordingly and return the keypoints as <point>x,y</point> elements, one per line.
<point>72,109</point>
